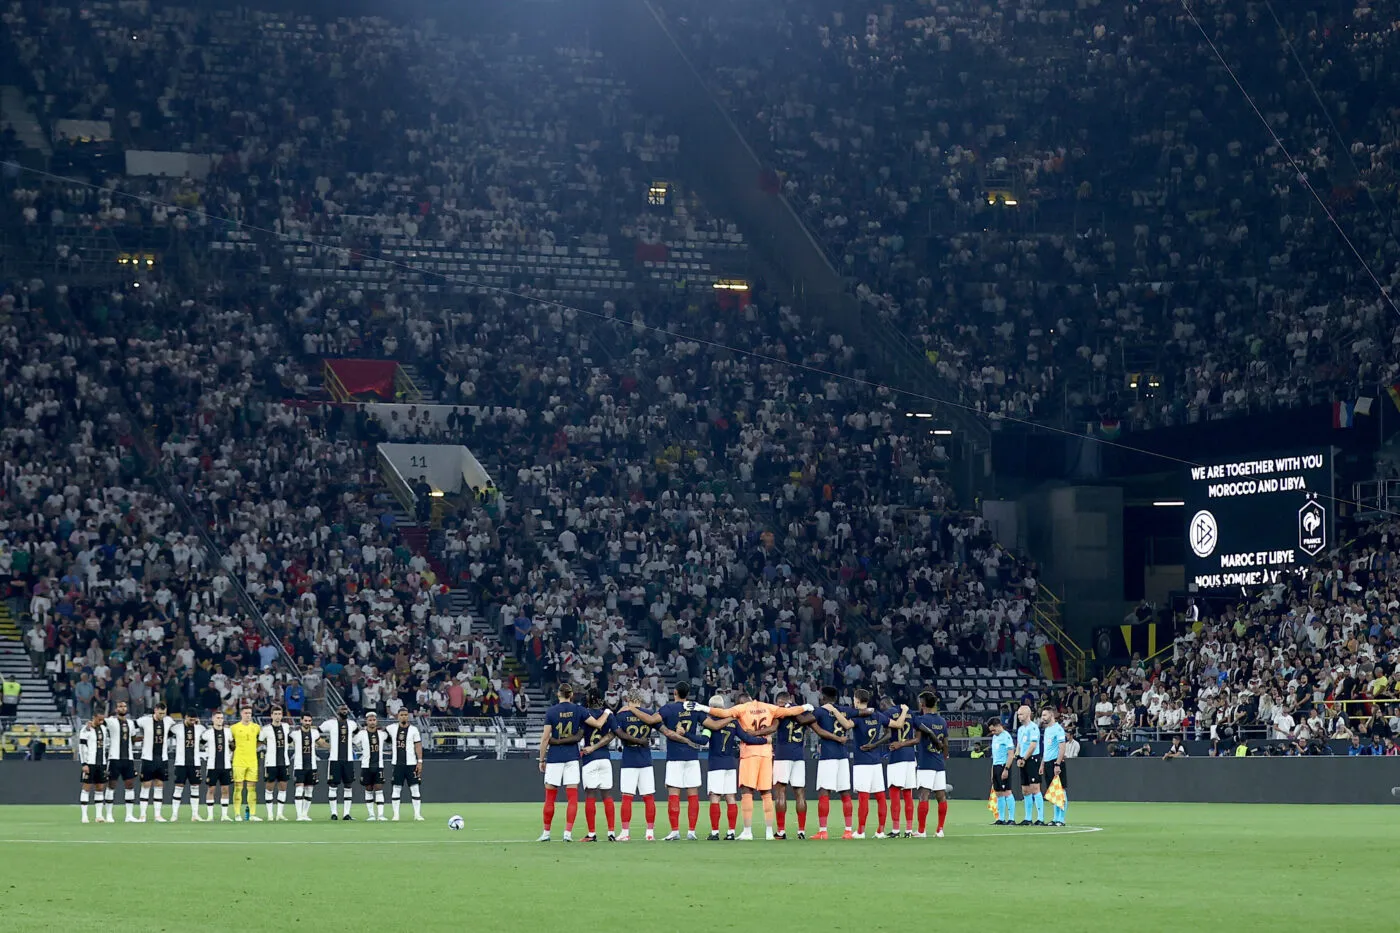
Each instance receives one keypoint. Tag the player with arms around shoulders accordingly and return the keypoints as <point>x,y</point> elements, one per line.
<point>680,722</point>
<point>406,741</point>
<point>339,736</point>
<point>92,755</point>
<point>758,720</point>
<point>872,732</point>
<point>217,756</point>
<point>1003,746</point>
<point>564,723</point>
<point>372,749</point>
<point>186,745</point>
<point>932,751</point>
<point>276,740</point>
<point>1028,760</point>
<point>637,779</point>
<point>832,725</point>
<point>1052,762</point>
<point>723,777</point>
<point>305,741</point>
<point>597,769</point>
<point>901,772</point>
<point>790,767</point>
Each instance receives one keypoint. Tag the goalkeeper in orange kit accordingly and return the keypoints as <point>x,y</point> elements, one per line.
<point>756,761</point>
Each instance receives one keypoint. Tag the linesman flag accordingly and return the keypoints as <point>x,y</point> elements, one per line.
<point>992,800</point>
<point>1055,793</point>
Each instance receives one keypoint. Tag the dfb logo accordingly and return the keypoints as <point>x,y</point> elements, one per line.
<point>1312,528</point>
<point>1203,534</point>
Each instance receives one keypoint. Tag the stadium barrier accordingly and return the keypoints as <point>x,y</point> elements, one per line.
<point>1136,780</point>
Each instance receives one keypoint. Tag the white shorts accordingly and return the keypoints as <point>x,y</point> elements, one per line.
<point>561,774</point>
<point>791,773</point>
<point>834,774</point>
<point>638,782</point>
<point>685,774</point>
<point>598,775</point>
<point>868,779</point>
<point>901,774</point>
<point>724,782</point>
<point>933,780</point>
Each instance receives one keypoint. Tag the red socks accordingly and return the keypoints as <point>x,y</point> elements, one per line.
<point>823,810</point>
<point>846,806</point>
<point>714,816</point>
<point>570,811</point>
<point>880,804</point>
<point>864,812</point>
<point>896,798</point>
<point>673,811</point>
<point>551,794</point>
<point>650,801</point>
<point>909,808</point>
<point>590,813</point>
<point>627,813</point>
<point>733,813</point>
<point>782,818</point>
<point>610,814</point>
<point>923,815</point>
<point>942,813</point>
<point>802,819</point>
<point>693,811</point>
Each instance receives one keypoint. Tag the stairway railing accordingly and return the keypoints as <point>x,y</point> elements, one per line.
<point>1046,613</point>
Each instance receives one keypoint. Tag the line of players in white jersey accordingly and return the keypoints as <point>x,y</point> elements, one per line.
<point>156,749</point>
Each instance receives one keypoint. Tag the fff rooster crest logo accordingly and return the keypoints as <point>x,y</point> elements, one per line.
<point>1312,528</point>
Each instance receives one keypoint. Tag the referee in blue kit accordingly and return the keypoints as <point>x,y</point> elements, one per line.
<point>1002,747</point>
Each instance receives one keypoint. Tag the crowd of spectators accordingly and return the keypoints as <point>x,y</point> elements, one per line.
<point>668,507</point>
<point>657,493</point>
<point>1161,232</point>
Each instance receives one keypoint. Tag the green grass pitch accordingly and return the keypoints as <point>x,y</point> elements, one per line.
<point>1146,867</point>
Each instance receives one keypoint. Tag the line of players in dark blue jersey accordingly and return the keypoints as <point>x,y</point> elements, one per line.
<point>890,753</point>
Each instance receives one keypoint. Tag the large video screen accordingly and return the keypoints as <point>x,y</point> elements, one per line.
<point>1251,521</point>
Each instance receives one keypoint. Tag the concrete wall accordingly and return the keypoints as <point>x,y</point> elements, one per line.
<point>1076,532</point>
<point>1192,780</point>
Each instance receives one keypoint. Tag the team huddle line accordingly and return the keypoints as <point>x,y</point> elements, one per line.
<point>223,757</point>
<point>889,754</point>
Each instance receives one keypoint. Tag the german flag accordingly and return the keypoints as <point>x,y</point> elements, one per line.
<point>1050,664</point>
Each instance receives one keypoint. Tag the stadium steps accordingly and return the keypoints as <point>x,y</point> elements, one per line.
<point>988,688</point>
<point>36,701</point>
<point>15,114</point>
<point>424,387</point>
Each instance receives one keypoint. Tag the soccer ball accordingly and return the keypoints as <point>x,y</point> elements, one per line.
<point>455,823</point>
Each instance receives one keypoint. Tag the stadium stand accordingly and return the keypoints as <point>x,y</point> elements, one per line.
<point>1100,259</point>
<point>657,507</point>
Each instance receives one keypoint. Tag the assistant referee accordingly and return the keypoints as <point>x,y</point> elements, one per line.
<point>245,765</point>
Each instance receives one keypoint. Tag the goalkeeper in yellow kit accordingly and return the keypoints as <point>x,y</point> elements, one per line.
<point>245,765</point>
